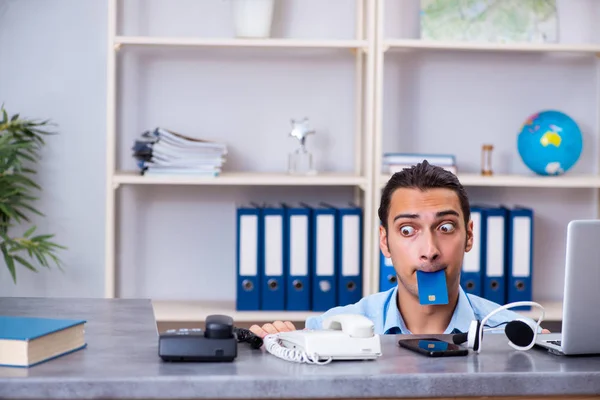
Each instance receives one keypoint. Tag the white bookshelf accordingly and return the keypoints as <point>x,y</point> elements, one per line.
<point>360,53</point>
<point>403,49</point>
<point>527,181</point>
<point>244,179</point>
<point>418,44</point>
<point>266,43</point>
<point>186,311</point>
<point>369,50</point>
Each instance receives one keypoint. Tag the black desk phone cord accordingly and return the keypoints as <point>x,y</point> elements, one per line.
<point>245,335</point>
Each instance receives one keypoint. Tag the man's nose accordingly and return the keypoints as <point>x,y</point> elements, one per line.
<point>430,251</point>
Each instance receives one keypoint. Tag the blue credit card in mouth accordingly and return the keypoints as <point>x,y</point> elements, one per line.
<point>432,287</point>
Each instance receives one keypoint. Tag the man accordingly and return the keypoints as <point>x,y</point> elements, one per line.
<point>425,225</point>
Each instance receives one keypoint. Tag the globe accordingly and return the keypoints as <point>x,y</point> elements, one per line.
<point>550,143</point>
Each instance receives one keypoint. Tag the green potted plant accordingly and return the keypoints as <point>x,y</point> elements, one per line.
<point>20,142</point>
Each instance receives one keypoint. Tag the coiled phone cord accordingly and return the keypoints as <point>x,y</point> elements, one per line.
<point>273,346</point>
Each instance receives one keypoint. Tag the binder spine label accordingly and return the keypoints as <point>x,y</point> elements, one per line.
<point>273,245</point>
<point>351,245</point>
<point>495,246</point>
<point>325,246</point>
<point>299,245</point>
<point>472,259</point>
<point>248,245</point>
<point>521,250</point>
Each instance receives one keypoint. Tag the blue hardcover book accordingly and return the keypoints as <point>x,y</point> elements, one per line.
<point>28,341</point>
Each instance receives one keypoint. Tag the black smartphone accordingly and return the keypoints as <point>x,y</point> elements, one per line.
<point>433,347</point>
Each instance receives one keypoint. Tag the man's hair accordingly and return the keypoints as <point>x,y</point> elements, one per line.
<point>423,176</point>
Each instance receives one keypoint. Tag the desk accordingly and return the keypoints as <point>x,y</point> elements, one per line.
<point>121,362</point>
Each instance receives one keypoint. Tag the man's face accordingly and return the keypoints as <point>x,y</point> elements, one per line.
<point>426,231</point>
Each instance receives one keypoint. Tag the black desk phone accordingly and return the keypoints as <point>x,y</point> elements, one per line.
<point>217,342</point>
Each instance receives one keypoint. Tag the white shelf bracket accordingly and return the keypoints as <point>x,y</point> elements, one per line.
<point>116,185</point>
<point>117,46</point>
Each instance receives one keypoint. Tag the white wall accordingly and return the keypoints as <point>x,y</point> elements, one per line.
<point>52,65</point>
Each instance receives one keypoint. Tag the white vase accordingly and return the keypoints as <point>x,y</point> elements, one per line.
<point>253,18</point>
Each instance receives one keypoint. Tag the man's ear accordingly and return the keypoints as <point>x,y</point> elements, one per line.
<point>383,243</point>
<point>469,244</point>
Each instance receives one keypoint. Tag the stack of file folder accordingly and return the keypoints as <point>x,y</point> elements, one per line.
<point>299,257</point>
<point>499,267</point>
<point>165,152</point>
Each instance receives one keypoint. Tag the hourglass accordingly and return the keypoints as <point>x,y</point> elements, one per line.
<point>486,159</point>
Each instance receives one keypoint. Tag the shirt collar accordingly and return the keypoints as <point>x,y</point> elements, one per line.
<point>460,322</point>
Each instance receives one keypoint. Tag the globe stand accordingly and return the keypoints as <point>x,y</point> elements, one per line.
<point>486,160</point>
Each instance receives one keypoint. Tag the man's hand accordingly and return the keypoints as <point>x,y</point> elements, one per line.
<point>275,327</point>
<point>545,331</point>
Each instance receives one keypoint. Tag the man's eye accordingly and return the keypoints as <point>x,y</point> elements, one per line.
<point>407,230</point>
<point>447,227</point>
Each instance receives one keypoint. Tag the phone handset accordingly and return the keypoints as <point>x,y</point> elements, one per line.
<point>353,325</point>
<point>343,337</point>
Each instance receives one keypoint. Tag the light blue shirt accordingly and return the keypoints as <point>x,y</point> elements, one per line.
<point>381,308</point>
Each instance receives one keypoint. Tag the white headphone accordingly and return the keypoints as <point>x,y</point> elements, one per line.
<point>521,332</point>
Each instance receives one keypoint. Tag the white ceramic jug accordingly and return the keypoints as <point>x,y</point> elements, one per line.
<point>253,18</point>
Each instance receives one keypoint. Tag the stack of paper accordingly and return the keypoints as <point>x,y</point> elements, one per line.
<point>396,162</point>
<point>165,152</point>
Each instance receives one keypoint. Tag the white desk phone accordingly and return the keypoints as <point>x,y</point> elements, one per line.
<point>343,337</point>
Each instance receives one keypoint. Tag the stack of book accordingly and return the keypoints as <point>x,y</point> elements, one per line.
<point>165,152</point>
<point>395,162</point>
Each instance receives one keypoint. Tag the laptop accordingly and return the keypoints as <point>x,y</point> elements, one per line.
<point>581,299</point>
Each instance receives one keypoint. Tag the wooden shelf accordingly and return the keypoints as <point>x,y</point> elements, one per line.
<point>242,179</point>
<point>197,311</point>
<point>495,47</point>
<point>234,42</point>
<point>563,181</point>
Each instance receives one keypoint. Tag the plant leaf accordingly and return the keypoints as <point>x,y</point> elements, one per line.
<point>40,238</point>
<point>10,263</point>
<point>29,231</point>
<point>21,141</point>
<point>25,263</point>
<point>41,259</point>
